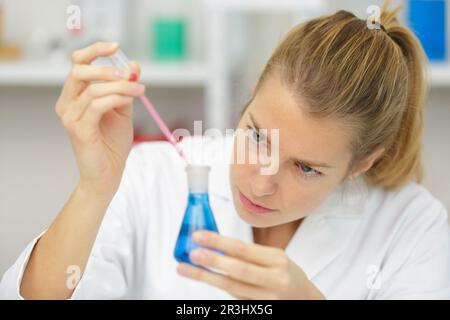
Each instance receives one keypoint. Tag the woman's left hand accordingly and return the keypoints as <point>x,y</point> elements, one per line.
<point>251,271</point>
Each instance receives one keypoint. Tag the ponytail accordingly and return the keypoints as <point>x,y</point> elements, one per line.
<point>402,161</point>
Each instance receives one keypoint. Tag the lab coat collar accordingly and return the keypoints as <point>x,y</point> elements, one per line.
<point>314,245</point>
<point>325,232</point>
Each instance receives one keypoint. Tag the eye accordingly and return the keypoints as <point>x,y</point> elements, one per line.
<point>307,171</point>
<point>255,135</point>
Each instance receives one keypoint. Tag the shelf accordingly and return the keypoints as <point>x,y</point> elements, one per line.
<point>29,73</point>
<point>269,6</point>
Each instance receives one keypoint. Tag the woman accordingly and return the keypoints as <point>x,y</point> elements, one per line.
<point>341,217</point>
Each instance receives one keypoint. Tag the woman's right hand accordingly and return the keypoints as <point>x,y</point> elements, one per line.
<point>95,107</point>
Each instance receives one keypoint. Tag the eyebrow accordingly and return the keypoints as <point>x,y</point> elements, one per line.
<point>306,162</point>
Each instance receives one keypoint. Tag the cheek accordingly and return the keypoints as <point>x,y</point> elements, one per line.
<point>303,200</point>
<point>234,174</point>
<point>239,174</point>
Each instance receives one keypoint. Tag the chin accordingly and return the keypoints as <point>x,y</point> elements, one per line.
<point>257,222</point>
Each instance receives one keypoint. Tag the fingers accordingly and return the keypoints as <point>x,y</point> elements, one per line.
<point>84,72</point>
<point>235,288</point>
<point>81,74</point>
<point>97,90</point>
<point>79,90</point>
<point>88,125</point>
<point>236,269</point>
<point>251,252</point>
<point>90,53</point>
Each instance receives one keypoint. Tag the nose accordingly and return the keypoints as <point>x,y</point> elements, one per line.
<point>263,185</point>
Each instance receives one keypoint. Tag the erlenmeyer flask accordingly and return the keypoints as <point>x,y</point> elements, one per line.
<point>198,214</point>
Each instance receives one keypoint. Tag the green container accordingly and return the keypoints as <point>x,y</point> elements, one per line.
<point>169,39</point>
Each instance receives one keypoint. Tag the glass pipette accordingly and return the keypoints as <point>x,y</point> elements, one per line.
<point>120,60</point>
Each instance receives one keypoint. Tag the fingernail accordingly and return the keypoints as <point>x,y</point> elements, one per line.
<point>133,77</point>
<point>111,45</point>
<point>198,236</point>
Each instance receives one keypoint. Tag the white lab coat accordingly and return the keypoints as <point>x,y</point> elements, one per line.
<point>361,243</point>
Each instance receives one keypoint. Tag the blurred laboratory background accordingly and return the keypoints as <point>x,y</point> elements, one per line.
<point>200,60</point>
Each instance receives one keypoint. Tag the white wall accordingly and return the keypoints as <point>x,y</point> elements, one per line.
<point>437,145</point>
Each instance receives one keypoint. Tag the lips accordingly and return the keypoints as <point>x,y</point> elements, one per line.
<point>253,207</point>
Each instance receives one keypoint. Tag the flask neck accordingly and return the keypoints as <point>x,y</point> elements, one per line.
<point>197,178</point>
<point>196,197</point>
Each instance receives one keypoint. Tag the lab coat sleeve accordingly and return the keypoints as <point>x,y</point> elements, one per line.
<point>425,274</point>
<point>10,283</point>
<point>109,270</point>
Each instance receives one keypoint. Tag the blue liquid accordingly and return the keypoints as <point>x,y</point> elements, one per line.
<point>198,216</point>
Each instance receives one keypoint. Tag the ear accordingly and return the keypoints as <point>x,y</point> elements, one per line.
<point>367,162</point>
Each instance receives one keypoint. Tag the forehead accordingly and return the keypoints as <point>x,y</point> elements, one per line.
<point>301,135</point>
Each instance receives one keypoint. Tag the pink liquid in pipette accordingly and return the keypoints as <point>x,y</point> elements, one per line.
<point>165,130</point>
<point>159,121</point>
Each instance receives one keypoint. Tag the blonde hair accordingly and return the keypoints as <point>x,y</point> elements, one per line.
<point>372,79</point>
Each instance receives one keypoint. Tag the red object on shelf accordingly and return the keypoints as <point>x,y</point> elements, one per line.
<point>138,138</point>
